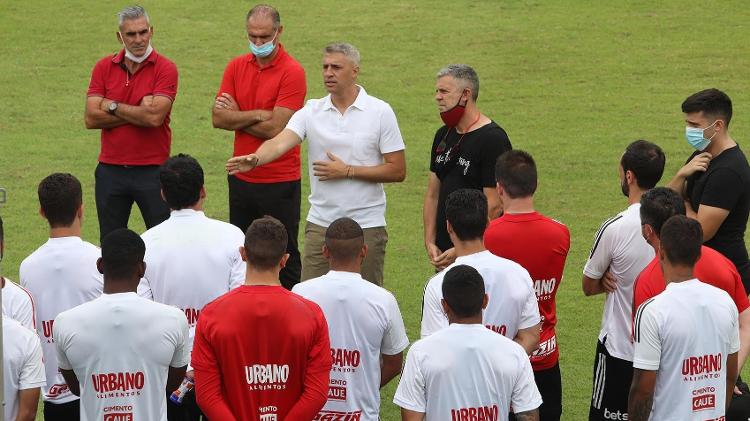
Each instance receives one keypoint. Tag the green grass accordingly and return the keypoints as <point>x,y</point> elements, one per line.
<point>572,82</point>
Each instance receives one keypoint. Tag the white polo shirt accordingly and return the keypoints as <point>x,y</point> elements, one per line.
<point>18,304</point>
<point>120,347</point>
<point>466,372</point>
<point>685,334</point>
<point>364,322</point>
<point>620,248</point>
<point>512,301</point>
<point>60,275</point>
<point>23,367</point>
<point>367,130</point>
<point>190,261</point>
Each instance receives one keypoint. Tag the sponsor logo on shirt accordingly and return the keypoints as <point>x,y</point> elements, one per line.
<point>702,367</point>
<point>464,163</point>
<point>120,384</point>
<point>47,331</point>
<point>57,390</point>
<point>544,288</point>
<point>545,348</point>
<point>704,398</point>
<point>345,360</point>
<point>480,413</point>
<point>192,315</point>
<point>338,416</point>
<point>118,413</point>
<point>267,376</point>
<point>497,329</point>
<point>268,413</point>
<point>612,415</point>
<point>337,390</point>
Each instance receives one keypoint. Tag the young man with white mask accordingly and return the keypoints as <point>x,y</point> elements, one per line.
<point>129,98</point>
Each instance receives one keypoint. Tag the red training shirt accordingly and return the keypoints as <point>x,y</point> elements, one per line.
<point>130,144</point>
<point>261,351</point>
<point>280,83</point>
<point>540,245</point>
<point>712,268</point>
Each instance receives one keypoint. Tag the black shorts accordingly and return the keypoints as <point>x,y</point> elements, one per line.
<point>612,378</point>
<point>550,387</point>
<point>70,411</point>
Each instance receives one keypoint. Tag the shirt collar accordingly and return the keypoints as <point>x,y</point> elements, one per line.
<point>119,57</point>
<point>180,213</point>
<point>460,259</point>
<point>279,55</point>
<point>359,103</point>
<point>337,274</point>
<point>683,284</point>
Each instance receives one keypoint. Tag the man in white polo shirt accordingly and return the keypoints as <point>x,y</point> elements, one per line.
<point>23,371</point>
<point>121,352</point>
<point>17,301</point>
<point>618,255</point>
<point>686,338</point>
<point>465,371</point>
<point>190,259</point>
<point>355,145</point>
<point>512,310</point>
<point>365,326</point>
<point>60,274</point>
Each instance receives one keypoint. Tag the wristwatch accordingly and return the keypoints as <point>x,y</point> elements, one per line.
<point>112,107</point>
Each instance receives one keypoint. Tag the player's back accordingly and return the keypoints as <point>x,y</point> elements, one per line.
<point>22,363</point>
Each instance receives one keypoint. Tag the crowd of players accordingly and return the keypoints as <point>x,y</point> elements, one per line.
<point>195,320</point>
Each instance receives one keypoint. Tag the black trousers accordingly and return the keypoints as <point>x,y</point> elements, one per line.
<point>188,410</point>
<point>70,411</point>
<point>250,201</point>
<point>550,387</point>
<point>118,186</point>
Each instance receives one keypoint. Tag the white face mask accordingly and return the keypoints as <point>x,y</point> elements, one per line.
<point>135,59</point>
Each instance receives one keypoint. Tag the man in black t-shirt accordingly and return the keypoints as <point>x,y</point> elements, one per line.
<point>463,156</point>
<point>715,181</point>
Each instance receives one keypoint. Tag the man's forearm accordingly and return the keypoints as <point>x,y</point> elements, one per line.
<point>97,119</point>
<point>528,338</point>
<point>532,415</point>
<point>383,173</point>
<point>235,120</point>
<point>678,185</point>
<point>390,367</point>
<point>429,219</point>
<point>744,339</point>
<point>639,407</point>
<point>263,130</point>
<point>140,115</point>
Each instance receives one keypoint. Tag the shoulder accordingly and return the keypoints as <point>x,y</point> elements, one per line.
<point>165,63</point>
<point>104,62</point>
<point>291,65</point>
<point>314,104</point>
<point>225,227</point>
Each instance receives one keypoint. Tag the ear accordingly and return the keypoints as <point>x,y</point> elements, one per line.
<point>446,308</point>
<point>41,213</point>
<point>80,211</point>
<point>363,252</point>
<point>141,269</point>
<point>99,266</point>
<point>629,177</point>
<point>202,194</point>
<point>243,253</point>
<point>662,255</point>
<point>448,227</point>
<point>485,301</point>
<point>326,252</point>
<point>283,261</point>
<point>500,189</point>
<point>163,198</point>
<point>119,37</point>
<point>281,30</point>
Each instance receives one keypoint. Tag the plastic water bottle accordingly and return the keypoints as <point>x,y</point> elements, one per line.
<point>178,395</point>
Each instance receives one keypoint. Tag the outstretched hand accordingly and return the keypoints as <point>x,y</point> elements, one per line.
<point>242,163</point>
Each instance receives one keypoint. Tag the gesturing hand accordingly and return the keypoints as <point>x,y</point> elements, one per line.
<point>698,163</point>
<point>330,170</point>
<point>242,163</point>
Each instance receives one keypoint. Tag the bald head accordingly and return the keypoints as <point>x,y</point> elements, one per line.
<point>344,240</point>
<point>264,11</point>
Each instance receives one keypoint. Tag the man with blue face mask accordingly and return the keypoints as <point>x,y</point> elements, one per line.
<point>259,93</point>
<point>715,181</point>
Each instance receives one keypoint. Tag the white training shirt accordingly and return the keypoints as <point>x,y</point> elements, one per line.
<point>512,301</point>
<point>620,248</point>
<point>23,367</point>
<point>190,261</point>
<point>18,304</point>
<point>120,347</point>
<point>60,275</point>
<point>685,334</point>
<point>361,136</point>
<point>466,372</point>
<point>364,322</point>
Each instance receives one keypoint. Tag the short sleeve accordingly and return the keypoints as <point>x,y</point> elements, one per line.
<point>293,89</point>
<point>390,135</point>
<point>411,393</point>
<point>298,122</point>
<point>433,317</point>
<point>32,370</point>
<point>227,80</point>
<point>722,189</point>
<point>394,339</point>
<point>237,275</point>
<point>492,147</point>
<point>58,333</point>
<point>739,296</point>
<point>600,256</point>
<point>734,335</point>
<point>97,85</point>
<point>525,395</point>
<point>181,356</point>
<point>647,355</point>
<point>165,79</point>
<point>530,311</point>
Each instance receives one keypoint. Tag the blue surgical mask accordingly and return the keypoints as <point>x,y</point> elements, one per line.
<point>696,139</point>
<point>264,50</point>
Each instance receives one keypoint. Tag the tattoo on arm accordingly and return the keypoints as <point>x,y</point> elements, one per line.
<point>641,409</point>
<point>532,415</point>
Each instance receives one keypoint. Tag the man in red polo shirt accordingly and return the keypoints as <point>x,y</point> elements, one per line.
<point>260,351</point>
<point>540,245</point>
<point>259,93</point>
<point>130,98</point>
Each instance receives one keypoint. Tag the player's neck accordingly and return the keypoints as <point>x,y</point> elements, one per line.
<point>475,320</point>
<point>676,274</point>
<point>71,231</point>
<point>261,277</point>
<point>343,100</point>
<point>465,248</point>
<point>654,242</point>
<point>518,205</point>
<point>470,120</point>
<point>112,286</point>
<point>720,144</point>
<point>353,267</point>
<point>634,196</point>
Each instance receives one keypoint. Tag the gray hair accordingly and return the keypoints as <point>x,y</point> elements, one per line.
<point>463,73</point>
<point>130,13</point>
<point>266,11</point>
<point>344,48</point>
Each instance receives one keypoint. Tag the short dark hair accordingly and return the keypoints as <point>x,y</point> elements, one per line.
<point>466,210</point>
<point>181,178</point>
<point>658,205</point>
<point>122,251</point>
<point>712,102</point>
<point>344,239</point>
<point>516,171</point>
<point>463,290</point>
<point>265,243</point>
<point>60,197</point>
<point>646,161</point>
<point>681,239</point>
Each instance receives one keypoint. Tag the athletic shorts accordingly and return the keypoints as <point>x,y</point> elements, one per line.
<point>549,384</point>
<point>612,378</point>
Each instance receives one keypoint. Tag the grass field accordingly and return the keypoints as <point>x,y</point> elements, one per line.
<point>572,82</point>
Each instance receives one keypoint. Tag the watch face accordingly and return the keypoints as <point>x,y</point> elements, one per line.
<point>112,106</point>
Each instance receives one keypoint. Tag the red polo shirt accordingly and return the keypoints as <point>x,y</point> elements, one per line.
<point>281,83</point>
<point>130,144</point>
